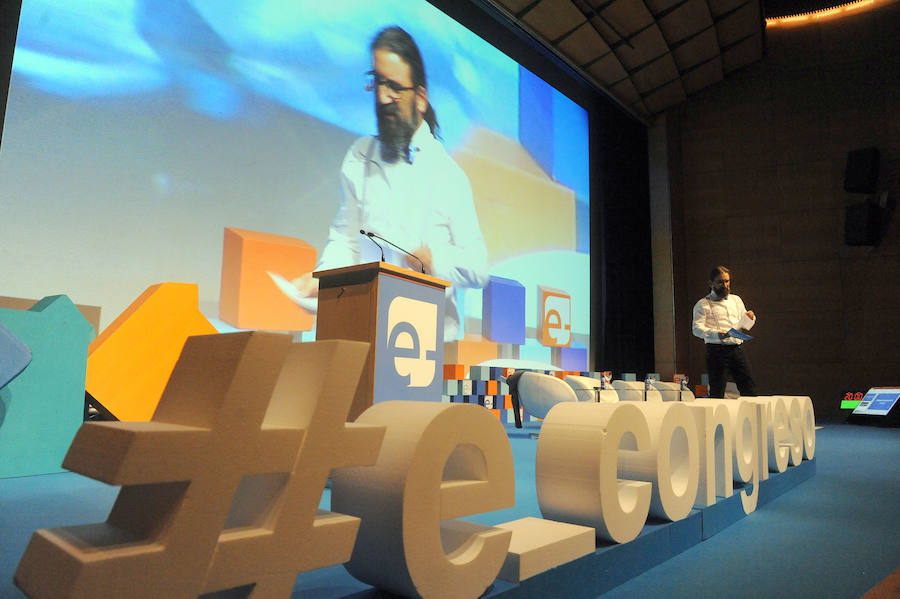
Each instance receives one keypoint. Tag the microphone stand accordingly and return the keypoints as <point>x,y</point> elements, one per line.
<point>392,244</point>
<point>369,235</point>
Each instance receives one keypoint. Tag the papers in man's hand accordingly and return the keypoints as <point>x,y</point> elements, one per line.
<point>739,335</point>
<point>310,304</point>
<point>746,322</point>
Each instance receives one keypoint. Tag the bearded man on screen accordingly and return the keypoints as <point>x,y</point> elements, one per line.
<point>404,187</point>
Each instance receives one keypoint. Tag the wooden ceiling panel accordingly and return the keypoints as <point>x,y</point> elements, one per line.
<point>626,91</point>
<point>666,96</point>
<point>653,74</point>
<point>642,48</point>
<point>648,55</point>
<point>553,19</point>
<point>515,6</point>
<point>657,6</point>
<point>627,16</point>
<point>612,36</point>
<point>736,26</point>
<point>721,7</point>
<point>608,70</point>
<point>685,21</point>
<point>699,48</point>
<point>584,45</point>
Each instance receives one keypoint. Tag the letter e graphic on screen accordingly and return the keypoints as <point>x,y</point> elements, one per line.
<point>554,317</point>
<point>412,339</point>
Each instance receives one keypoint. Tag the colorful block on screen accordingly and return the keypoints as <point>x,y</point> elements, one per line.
<point>503,311</point>
<point>131,361</point>
<point>466,351</point>
<point>42,408</point>
<point>510,187</point>
<point>573,358</point>
<point>554,317</point>
<point>249,297</point>
<point>454,371</point>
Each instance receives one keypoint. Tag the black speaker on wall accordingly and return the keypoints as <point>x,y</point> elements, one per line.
<point>862,224</point>
<point>861,175</point>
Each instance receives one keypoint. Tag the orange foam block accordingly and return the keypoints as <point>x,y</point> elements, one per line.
<point>562,374</point>
<point>454,372</point>
<point>249,298</point>
<point>131,361</point>
<point>469,352</point>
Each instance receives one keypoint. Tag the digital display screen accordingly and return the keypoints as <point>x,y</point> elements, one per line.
<point>137,132</point>
<point>878,401</point>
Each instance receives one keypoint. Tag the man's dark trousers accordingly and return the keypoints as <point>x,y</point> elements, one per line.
<point>723,358</point>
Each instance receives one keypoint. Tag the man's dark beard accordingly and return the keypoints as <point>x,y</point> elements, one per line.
<point>394,134</point>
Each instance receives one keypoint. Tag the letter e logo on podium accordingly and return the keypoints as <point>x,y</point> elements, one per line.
<point>412,339</point>
<point>554,317</point>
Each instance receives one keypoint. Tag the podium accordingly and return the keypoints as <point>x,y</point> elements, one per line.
<point>400,312</point>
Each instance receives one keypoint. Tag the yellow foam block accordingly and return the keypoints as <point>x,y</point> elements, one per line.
<point>538,545</point>
<point>506,180</point>
<point>249,298</point>
<point>130,362</point>
<point>468,352</point>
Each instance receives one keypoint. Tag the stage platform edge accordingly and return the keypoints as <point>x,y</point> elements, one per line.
<point>609,566</point>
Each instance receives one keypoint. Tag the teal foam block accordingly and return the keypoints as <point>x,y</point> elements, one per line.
<point>44,406</point>
<point>14,357</point>
<point>783,482</point>
<point>480,373</point>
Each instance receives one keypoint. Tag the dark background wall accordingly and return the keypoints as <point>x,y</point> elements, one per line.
<point>756,169</point>
<point>9,22</point>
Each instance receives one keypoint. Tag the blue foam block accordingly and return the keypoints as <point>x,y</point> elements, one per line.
<point>721,515</point>
<point>503,311</point>
<point>14,356</point>
<point>573,359</point>
<point>686,533</point>
<point>780,483</point>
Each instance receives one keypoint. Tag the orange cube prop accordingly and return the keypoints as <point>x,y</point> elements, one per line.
<point>249,297</point>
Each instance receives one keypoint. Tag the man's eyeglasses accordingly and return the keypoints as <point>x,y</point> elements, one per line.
<point>374,81</point>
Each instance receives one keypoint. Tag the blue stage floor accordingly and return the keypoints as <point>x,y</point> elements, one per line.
<point>827,528</point>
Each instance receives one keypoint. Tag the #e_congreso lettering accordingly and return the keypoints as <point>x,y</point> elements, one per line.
<point>220,491</point>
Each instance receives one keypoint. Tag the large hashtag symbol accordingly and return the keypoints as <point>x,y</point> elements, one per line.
<point>220,490</point>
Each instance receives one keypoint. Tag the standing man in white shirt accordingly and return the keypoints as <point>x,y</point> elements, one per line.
<point>714,316</point>
<point>404,187</point>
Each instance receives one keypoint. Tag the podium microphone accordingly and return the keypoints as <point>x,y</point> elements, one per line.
<point>369,235</point>
<point>392,244</point>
